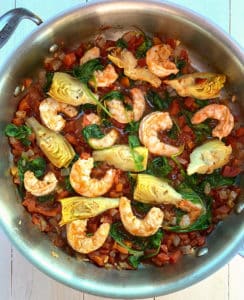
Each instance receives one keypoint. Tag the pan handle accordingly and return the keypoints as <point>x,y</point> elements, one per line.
<point>10,20</point>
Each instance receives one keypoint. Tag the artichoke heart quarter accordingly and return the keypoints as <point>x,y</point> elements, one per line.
<point>200,85</point>
<point>154,190</point>
<point>56,148</point>
<point>120,157</point>
<point>208,157</point>
<point>75,208</point>
<point>69,90</point>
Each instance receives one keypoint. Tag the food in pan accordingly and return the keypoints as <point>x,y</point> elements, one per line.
<point>123,153</point>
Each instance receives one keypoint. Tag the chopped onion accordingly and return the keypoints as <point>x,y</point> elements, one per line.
<point>187,249</point>
<point>223,195</point>
<point>20,114</point>
<point>176,240</point>
<point>207,189</point>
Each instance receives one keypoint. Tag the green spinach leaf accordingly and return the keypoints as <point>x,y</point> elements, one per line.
<point>85,72</point>
<point>142,49</point>
<point>159,167</point>
<point>48,83</point>
<point>21,133</point>
<point>157,102</point>
<point>113,95</point>
<point>92,131</point>
<point>121,43</point>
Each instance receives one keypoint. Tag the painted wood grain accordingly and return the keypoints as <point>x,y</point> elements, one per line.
<point>5,267</point>
<point>236,276</point>
<point>214,287</point>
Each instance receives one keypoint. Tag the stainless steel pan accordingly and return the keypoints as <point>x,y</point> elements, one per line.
<point>210,49</point>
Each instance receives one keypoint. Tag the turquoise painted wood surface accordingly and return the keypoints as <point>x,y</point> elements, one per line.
<point>19,280</point>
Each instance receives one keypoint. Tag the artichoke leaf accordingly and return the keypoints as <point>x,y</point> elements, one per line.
<point>75,208</point>
<point>202,85</point>
<point>209,157</point>
<point>120,157</point>
<point>125,59</point>
<point>69,90</point>
<point>56,148</point>
<point>154,190</point>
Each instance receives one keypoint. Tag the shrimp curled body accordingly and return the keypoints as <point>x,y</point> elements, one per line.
<point>119,112</point>
<point>40,187</point>
<point>157,59</point>
<point>106,77</point>
<point>140,227</point>
<point>148,133</point>
<point>86,186</point>
<point>218,112</point>
<point>49,109</point>
<point>76,236</point>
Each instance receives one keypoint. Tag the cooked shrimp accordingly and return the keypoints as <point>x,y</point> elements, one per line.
<point>90,54</point>
<point>157,59</point>
<point>139,103</point>
<point>105,142</point>
<point>80,242</point>
<point>148,133</point>
<point>89,119</point>
<point>218,112</point>
<point>84,185</point>
<point>119,112</point>
<point>194,210</point>
<point>140,227</point>
<point>40,187</point>
<point>49,109</point>
<point>104,78</point>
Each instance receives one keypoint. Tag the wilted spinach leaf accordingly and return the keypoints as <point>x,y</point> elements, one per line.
<point>157,102</point>
<point>85,72</point>
<point>121,43</point>
<point>21,133</point>
<point>142,49</point>
<point>92,131</point>
<point>159,167</point>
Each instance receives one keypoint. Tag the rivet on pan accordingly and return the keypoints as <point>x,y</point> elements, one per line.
<point>53,48</point>
<point>17,91</point>
<point>202,251</point>
<point>239,207</point>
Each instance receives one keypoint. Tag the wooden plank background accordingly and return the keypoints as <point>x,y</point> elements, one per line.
<point>19,280</point>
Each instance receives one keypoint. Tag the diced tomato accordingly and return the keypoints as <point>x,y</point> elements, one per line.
<point>141,62</point>
<point>135,42</point>
<point>181,121</point>
<point>231,171</point>
<point>156,41</point>
<point>79,51</point>
<point>171,42</point>
<point>200,80</point>
<point>174,108</point>
<point>190,103</point>
<point>18,121</point>
<point>27,82</point>
<point>85,155</point>
<point>231,141</point>
<point>240,132</point>
<point>184,55</point>
<point>69,59</point>
<point>125,82</point>
<point>188,129</point>
<point>174,256</point>
<point>24,104</point>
